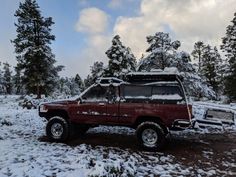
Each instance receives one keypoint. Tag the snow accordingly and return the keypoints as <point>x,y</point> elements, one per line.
<point>157,97</point>
<point>24,154</point>
<point>173,70</point>
<point>163,83</point>
<point>167,97</point>
<point>136,97</point>
<point>153,73</point>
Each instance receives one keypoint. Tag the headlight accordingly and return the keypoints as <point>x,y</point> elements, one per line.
<point>43,108</point>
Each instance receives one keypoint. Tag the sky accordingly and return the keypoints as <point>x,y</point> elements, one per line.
<point>84,28</point>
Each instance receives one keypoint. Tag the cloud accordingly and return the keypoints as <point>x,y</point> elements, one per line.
<point>115,4</point>
<point>186,20</point>
<point>92,20</point>
<point>94,50</point>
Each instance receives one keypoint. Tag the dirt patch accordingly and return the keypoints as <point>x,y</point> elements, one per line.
<point>206,151</point>
<point>213,153</point>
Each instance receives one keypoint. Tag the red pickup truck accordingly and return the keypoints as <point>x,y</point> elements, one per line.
<point>151,106</point>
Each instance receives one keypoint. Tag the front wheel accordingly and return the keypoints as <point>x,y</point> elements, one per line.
<point>57,129</point>
<point>150,136</point>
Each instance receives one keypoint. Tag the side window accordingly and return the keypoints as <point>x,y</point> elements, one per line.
<point>137,93</point>
<point>167,93</point>
<point>112,94</point>
<point>95,94</point>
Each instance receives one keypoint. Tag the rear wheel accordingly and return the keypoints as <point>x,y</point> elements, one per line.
<point>150,136</point>
<point>57,129</point>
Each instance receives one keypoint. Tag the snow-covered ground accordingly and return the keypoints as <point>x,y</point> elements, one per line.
<point>189,153</point>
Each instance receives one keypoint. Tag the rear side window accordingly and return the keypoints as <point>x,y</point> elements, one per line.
<point>137,92</point>
<point>167,93</point>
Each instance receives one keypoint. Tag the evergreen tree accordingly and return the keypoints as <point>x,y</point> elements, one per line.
<point>7,78</point>
<point>162,52</point>
<point>34,56</point>
<point>17,82</point>
<point>88,81</point>
<point>66,87</point>
<point>97,70</point>
<point>74,87</point>
<point>2,90</point>
<point>197,53</point>
<point>121,59</point>
<point>229,47</point>
<point>79,82</point>
<point>210,68</point>
<point>195,85</point>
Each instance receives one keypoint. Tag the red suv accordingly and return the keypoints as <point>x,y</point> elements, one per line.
<point>151,103</point>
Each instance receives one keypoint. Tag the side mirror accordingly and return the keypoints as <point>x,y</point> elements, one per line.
<point>79,100</point>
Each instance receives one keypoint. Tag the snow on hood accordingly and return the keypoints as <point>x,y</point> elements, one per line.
<point>60,102</point>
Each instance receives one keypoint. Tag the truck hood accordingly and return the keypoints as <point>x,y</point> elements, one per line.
<point>60,102</point>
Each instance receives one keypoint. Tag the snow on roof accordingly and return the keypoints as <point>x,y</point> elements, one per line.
<point>166,71</point>
<point>167,97</point>
<point>114,78</point>
<point>163,83</point>
<point>172,70</point>
<point>110,79</point>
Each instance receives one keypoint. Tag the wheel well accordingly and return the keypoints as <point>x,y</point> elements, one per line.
<point>61,113</point>
<point>151,119</point>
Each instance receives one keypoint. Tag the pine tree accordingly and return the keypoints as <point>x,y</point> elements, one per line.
<point>210,68</point>
<point>34,56</point>
<point>17,82</point>
<point>162,51</point>
<point>64,88</point>
<point>74,87</point>
<point>121,59</point>
<point>197,53</point>
<point>79,82</point>
<point>7,78</point>
<point>195,85</point>
<point>97,70</point>
<point>68,87</point>
<point>2,89</point>
<point>229,47</point>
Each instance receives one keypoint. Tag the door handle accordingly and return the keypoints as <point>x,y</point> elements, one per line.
<point>101,104</point>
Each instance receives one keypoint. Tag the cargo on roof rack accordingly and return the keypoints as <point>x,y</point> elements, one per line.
<point>109,80</point>
<point>147,77</point>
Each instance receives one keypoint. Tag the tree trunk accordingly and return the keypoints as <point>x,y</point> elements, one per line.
<point>38,92</point>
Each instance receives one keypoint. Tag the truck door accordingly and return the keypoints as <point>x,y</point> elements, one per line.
<point>133,97</point>
<point>113,105</point>
<point>93,106</point>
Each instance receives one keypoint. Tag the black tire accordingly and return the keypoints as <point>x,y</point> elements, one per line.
<point>151,136</point>
<point>57,129</point>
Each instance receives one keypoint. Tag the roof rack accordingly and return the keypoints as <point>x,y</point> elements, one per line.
<point>109,80</point>
<point>146,77</point>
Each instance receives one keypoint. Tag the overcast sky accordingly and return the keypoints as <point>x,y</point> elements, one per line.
<point>84,28</point>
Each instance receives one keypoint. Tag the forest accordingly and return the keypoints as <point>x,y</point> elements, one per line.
<point>205,147</point>
<point>209,72</point>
